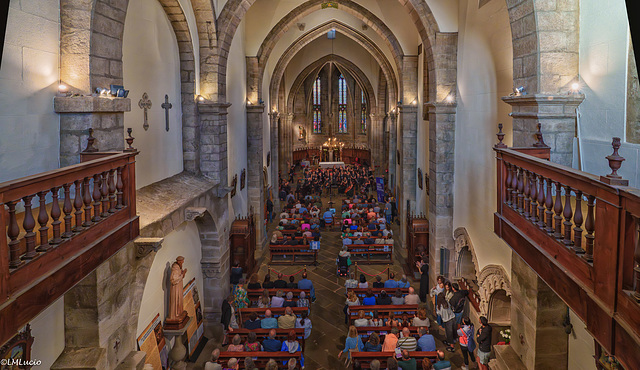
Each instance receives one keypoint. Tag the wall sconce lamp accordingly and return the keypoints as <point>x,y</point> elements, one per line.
<point>449,98</point>
<point>200,98</point>
<point>575,88</point>
<point>249,102</point>
<point>414,102</point>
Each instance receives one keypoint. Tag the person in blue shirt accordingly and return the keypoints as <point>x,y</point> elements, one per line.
<point>426,343</point>
<point>302,210</point>
<point>328,218</point>
<point>370,299</point>
<point>305,283</point>
<point>391,283</point>
<point>271,344</point>
<point>442,364</point>
<point>404,282</point>
<point>347,241</point>
<point>253,322</point>
<point>353,343</point>
<point>268,322</point>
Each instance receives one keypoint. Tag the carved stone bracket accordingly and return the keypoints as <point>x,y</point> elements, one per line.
<point>144,246</point>
<point>492,278</point>
<point>191,213</point>
<point>211,269</point>
<point>222,191</point>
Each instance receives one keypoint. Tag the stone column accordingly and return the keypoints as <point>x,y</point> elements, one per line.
<point>213,140</point>
<point>557,115</point>
<point>255,164</point>
<point>393,147</point>
<point>442,117</point>
<point>275,157</point>
<point>408,161</point>
<point>537,313</point>
<point>286,144</point>
<point>78,114</point>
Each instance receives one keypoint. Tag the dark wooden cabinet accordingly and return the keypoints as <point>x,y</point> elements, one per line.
<point>243,243</point>
<point>417,241</point>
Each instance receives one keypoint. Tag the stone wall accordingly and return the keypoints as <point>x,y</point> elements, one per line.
<point>633,99</point>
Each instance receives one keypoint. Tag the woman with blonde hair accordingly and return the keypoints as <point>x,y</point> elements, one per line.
<point>352,300</point>
<point>352,344</point>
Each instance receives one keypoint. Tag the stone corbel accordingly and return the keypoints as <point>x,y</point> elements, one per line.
<point>191,213</point>
<point>144,246</point>
<point>222,191</point>
<point>211,269</point>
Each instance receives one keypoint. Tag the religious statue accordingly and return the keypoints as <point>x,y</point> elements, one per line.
<point>302,133</point>
<point>176,316</point>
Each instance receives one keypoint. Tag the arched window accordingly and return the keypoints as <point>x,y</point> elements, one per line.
<point>342,105</point>
<point>317,116</point>
<point>363,114</point>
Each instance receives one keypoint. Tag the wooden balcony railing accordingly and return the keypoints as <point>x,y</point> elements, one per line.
<point>581,235</point>
<point>59,226</point>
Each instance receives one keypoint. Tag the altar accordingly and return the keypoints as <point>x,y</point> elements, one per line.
<point>331,164</point>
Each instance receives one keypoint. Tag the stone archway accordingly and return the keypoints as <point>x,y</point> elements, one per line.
<point>309,7</point>
<point>464,253</point>
<point>491,279</point>
<point>499,311</point>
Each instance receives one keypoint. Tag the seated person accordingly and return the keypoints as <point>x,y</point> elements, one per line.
<point>406,362</point>
<point>407,342</point>
<point>252,344</point>
<point>383,299</point>
<point>369,299</point>
<point>361,320</point>
<point>280,283</point>
<point>369,240</point>
<point>298,233</point>
<point>412,297</point>
<point>351,282</point>
<point>426,342</point>
<point>267,283</point>
<point>236,344</point>
<point>373,344</point>
<point>378,283</point>
<point>303,301</point>
<point>380,240</point>
<point>404,282</point>
<point>292,284</point>
<point>397,298</point>
<point>441,364</point>
<point>307,233</point>
<point>391,283</point>
<point>289,302</point>
<point>288,320</point>
<point>277,300</point>
<point>347,241</point>
<point>269,322</point>
<point>253,282</point>
<point>358,241</point>
<point>271,344</point>
<point>253,323</point>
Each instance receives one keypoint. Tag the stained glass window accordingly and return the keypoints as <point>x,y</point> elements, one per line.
<point>342,105</point>
<point>363,114</point>
<point>317,116</point>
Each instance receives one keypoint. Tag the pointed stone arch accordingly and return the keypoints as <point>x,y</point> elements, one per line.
<point>462,241</point>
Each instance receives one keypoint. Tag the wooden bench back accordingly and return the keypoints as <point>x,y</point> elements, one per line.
<point>260,359</point>
<point>262,334</point>
<point>365,358</point>
<point>275,311</point>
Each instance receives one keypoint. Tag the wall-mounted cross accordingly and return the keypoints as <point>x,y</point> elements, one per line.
<point>166,106</point>
<point>145,104</point>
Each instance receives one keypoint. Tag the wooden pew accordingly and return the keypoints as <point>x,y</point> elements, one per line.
<point>291,252</point>
<point>262,334</point>
<point>254,294</point>
<point>370,252</point>
<point>362,292</point>
<point>260,359</point>
<point>275,311</point>
<point>383,311</point>
<point>365,358</point>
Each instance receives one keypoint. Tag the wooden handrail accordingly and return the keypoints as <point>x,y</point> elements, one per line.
<point>589,233</point>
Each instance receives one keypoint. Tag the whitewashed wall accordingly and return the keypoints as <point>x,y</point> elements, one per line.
<point>48,332</point>
<point>581,346</point>
<point>237,118</point>
<point>485,71</point>
<point>29,77</point>
<point>151,64</point>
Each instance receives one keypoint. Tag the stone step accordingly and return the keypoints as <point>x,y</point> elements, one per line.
<point>506,359</point>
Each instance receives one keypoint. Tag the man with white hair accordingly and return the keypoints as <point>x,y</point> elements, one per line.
<point>412,297</point>
<point>288,320</point>
<point>268,322</point>
<point>232,364</point>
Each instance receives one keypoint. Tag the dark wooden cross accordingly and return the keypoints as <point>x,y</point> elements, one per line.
<point>145,104</point>
<point>166,106</point>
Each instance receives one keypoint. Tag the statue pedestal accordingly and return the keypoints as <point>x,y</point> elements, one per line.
<point>177,324</point>
<point>178,351</point>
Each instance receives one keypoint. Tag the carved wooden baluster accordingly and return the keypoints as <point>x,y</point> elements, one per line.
<point>104,191</point>
<point>508,184</point>
<point>577,220</point>
<point>527,191</point>
<point>86,197</point>
<point>112,191</point>
<point>28,224</point>
<point>557,208</point>
<point>43,219</point>
<point>568,213</point>
<point>13,232</point>
<point>534,197</point>
<point>67,209</point>
<point>119,187</point>
<point>521,191</point>
<point>590,226</point>
<point>77,204</point>
<point>96,197</point>
<point>541,200</point>
<point>549,206</point>
<point>55,215</point>
<point>514,187</point>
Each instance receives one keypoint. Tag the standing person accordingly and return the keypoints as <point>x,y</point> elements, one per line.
<point>270,209</point>
<point>236,273</point>
<point>304,323</point>
<point>458,301</point>
<point>388,211</point>
<point>484,343</point>
<point>228,318</point>
<point>305,283</point>
<point>448,321</point>
<point>467,344</point>
<point>240,295</point>
<point>353,343</point>
<point>424,279</point>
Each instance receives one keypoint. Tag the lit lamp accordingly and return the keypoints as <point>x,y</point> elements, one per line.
<point>449,98</point>
<point>575,88</point>
<point>200,98</point>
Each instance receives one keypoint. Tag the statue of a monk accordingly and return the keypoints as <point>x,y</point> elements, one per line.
<point>176,316</point>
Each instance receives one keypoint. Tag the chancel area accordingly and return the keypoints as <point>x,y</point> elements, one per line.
<point>350,184</point>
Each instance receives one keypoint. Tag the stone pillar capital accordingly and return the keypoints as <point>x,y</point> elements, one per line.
<point>440,107</point>
<point>273,115</point>
<point>408,108</point>
<point>544,106</point>
<point>255,108</point>
<point>211,107</point>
